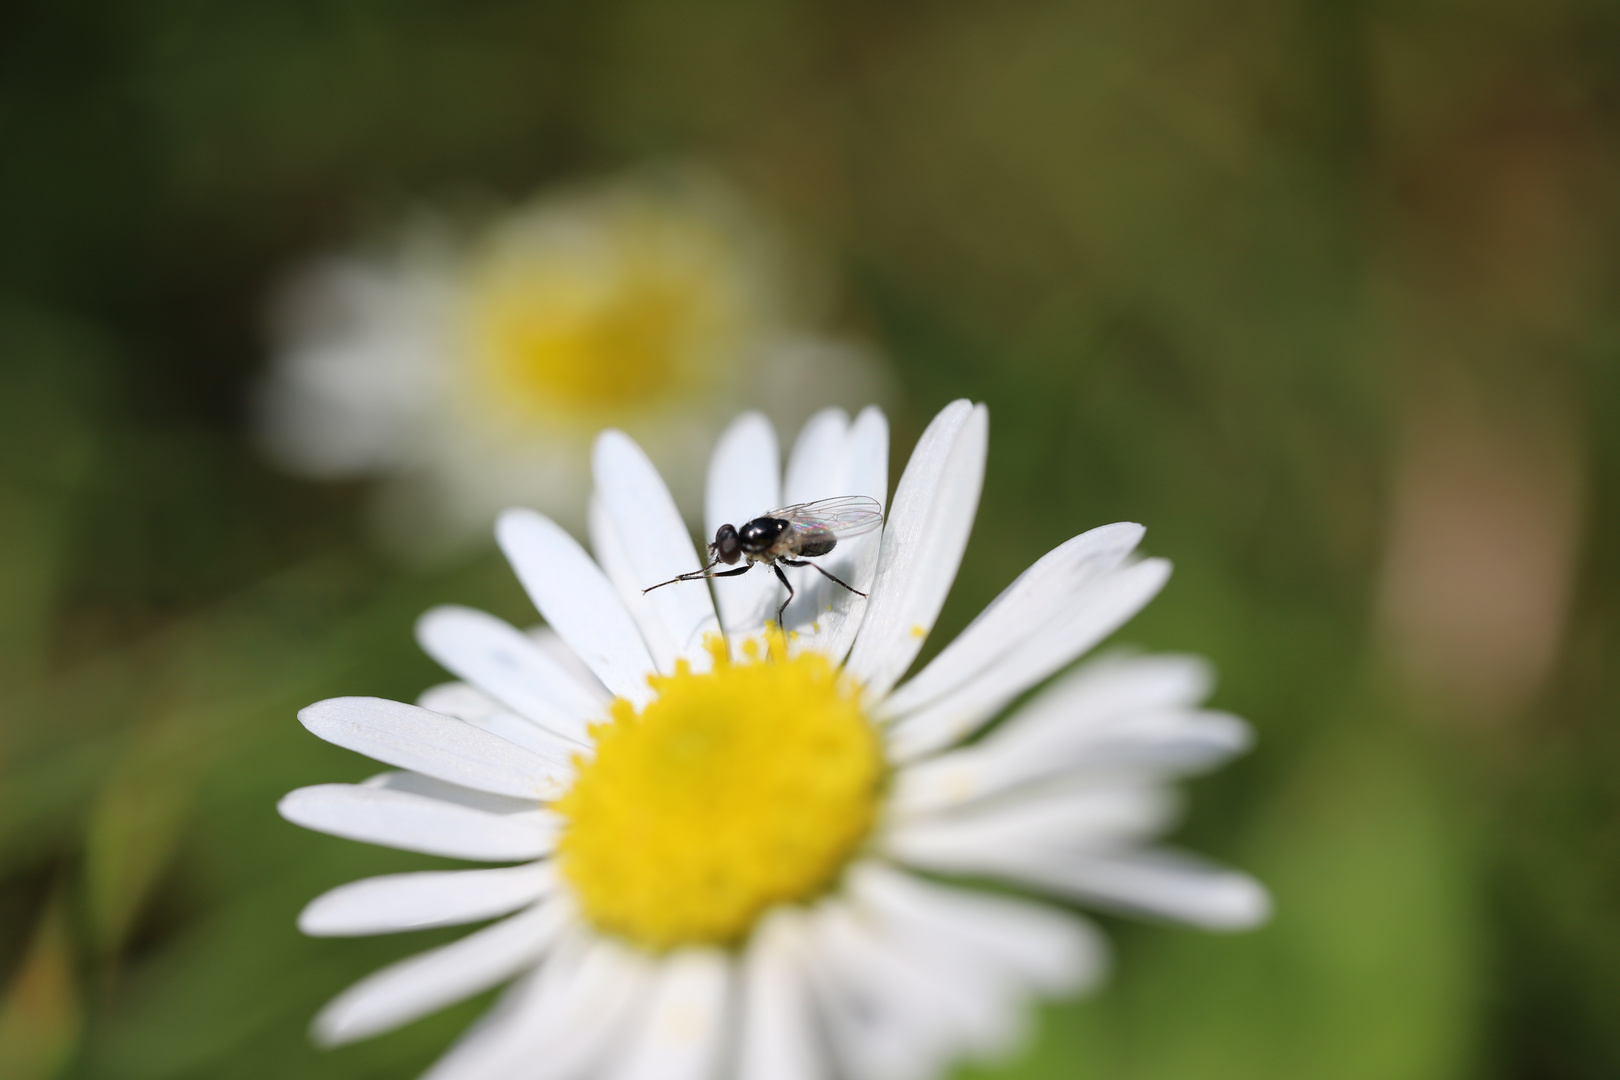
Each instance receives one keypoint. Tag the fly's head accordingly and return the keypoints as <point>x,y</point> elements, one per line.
<point>726,547</point>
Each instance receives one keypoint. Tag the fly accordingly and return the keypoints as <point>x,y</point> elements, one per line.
<point>787,537</point>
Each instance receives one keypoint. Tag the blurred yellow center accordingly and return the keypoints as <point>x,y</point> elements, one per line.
<point>617,314</point>
<point>732,791</point>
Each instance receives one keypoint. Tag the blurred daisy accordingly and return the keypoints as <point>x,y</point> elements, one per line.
<point>730,843</point>
<point>474,374</point>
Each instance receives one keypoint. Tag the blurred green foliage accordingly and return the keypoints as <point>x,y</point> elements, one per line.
<point>1216,267</point>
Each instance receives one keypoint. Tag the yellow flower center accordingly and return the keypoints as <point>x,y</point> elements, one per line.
<point>619,306</point>
<point>732,791</point>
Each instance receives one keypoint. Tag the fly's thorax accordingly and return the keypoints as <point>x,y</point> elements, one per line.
<point>758,536</point>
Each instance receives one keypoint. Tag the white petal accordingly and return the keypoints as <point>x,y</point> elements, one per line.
<point>552,644</point>
<point>559,1022</point>
<point>778,1037</point>
<point>1105,697</point>
<point>681,1039</point>
<point>744,482</point>
<point>1099,611</point>
<point>1030,829</point>
<point>473,706</point>
<point>503,662</point>
<point>1024,609</point>
<point>414,783</point>
<point>1051,950</point>
<point>505,1034</point>
<point>384,905</point>
<point>577,599</point>
<point>1129,713</point>
<point>900,1011</point>
<point>869,1020</point>
<point>861,468</point>
<point>440,746</point>
<point>399,819</point>
<point>655,541</point>
<point>1155,744</point>
<point>615,561</point>
<point>812,470</point>
<point>864,467</point>
<point>967,1004</point>
<point>1121,683</point>
<point>923,541</point>
<point>429,981</point>
<point>1166,884</point>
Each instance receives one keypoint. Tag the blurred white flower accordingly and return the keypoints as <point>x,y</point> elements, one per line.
<point>727,840</point>
<point>471,373</point>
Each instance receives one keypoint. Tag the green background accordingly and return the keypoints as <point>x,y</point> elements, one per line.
<point>1233,269</point>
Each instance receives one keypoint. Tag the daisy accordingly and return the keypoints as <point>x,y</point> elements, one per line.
<point>472,371</point>
<point>742,854</point>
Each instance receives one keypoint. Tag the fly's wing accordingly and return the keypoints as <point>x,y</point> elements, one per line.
<point>844,517</point>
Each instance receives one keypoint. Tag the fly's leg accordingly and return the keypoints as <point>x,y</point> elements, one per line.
<point>699,575</point>
<point>823,573</point>
<point>783,579</point>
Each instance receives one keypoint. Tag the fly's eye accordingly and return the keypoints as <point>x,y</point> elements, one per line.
<point>726,546</point>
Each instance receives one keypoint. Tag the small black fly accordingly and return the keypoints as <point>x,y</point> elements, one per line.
<point>787,537</point>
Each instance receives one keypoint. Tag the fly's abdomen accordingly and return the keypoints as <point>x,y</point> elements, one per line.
<point>818,542</point>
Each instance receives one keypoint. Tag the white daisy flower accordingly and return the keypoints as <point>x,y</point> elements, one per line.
<point>734,852</point>
<point>472,373</point>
